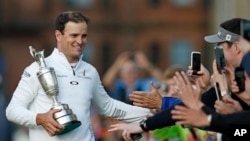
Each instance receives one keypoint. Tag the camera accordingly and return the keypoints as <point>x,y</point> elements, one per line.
<point>220,59</point>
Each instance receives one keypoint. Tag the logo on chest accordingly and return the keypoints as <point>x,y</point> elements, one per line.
<point>74,82</point>
<point>83,75</point>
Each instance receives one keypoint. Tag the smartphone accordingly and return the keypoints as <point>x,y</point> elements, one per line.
<point>196,62</point>
<point>239,78</point>
<point>217,91</point>
<point>245,29</point>
<point>220,59</point>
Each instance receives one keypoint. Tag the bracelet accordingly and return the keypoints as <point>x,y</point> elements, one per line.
<point>225,92</point>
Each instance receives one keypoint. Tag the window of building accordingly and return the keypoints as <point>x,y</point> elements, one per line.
<point>107,4</point>
<point>182,3</point>
<point>154,53</point>
<point>154,3</point>
<point>180,51</point>
<point>88,53</point>
<point>80,3</point>
<point>106,56</point>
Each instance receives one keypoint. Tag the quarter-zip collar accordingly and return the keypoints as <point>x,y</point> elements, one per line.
<point>62,60</point>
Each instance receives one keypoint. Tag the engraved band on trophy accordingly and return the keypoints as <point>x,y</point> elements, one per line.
<point>48,80</point>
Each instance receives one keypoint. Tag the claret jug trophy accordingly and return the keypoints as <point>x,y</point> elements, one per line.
<point>48,81</point>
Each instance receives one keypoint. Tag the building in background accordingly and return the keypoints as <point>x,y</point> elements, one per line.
<point>165,30</point>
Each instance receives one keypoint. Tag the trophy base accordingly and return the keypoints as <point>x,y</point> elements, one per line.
<point>66,118</point>
<point>69,126</point>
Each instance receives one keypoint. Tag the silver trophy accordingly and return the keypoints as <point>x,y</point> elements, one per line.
<point>48,80</point>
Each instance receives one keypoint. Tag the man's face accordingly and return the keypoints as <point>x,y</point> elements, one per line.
<point>129,73</point>
<point>229,54</point>
<point>72,40</point>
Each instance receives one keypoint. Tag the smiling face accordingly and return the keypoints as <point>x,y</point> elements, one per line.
<point>72,39</point>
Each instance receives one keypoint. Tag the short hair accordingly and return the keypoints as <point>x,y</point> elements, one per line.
<point>232,25</point>
<point>73,16</point>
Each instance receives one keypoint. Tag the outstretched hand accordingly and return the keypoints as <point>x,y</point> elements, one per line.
<point>190,94</point>
<point>151,100</point>
<point>190,117</point>
<point>127,129</point>
<point>48,122</point>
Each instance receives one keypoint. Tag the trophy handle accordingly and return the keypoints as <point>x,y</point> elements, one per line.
<point>38,57</point>
<point>32,51</point>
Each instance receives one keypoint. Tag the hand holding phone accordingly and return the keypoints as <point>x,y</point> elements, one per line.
<point>220,59</point>
<point>217,91</point>
<point>239,78</point>
<point>195,62</point>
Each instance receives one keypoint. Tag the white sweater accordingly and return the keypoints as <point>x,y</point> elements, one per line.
<point>29,99</point>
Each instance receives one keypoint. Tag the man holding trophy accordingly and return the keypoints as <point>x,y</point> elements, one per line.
<point>55,94</point>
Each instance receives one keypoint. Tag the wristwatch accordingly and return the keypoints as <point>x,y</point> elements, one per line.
<point>225,92</point>
<point>143,125</point>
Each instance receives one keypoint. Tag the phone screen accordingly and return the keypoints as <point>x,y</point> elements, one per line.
<point>240,79</point>
<point>196,62</point>
<point>220,59</point>
<point>245,29</point>
<point>217,90</point>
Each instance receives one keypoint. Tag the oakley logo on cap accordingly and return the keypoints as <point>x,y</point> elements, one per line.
<point>228,37</point>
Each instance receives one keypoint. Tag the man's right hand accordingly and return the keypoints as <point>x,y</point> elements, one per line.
<point>48,122</point>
